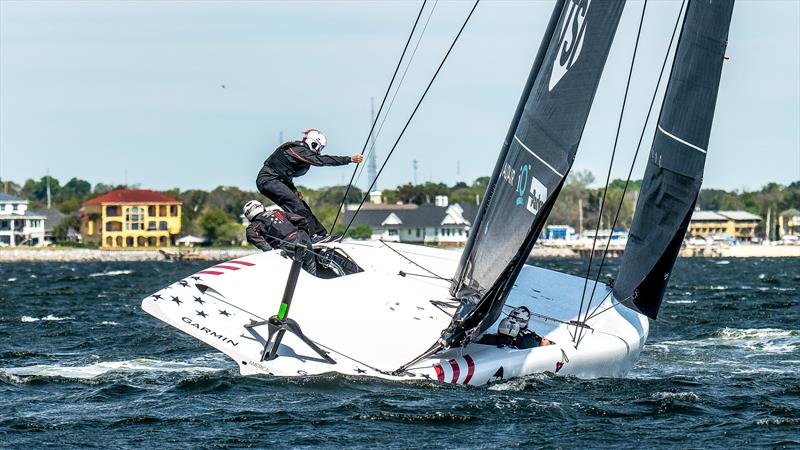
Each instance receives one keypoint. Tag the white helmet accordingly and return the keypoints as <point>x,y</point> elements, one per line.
<point>315,140</point>
<point>252,209</point>
<point>521,315</point>
<point>508,327</point>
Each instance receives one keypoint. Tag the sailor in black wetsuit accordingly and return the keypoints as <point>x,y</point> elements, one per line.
<point>290,160</point>
<point>513,332</point>
<point>274,229</point>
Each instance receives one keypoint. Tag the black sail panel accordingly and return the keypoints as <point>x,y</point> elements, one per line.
<point>674,170</point>
<point>534,159</point>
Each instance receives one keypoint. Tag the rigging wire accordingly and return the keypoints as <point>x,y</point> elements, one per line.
<point>408,122</point>
<point>397,90</point>
<point>638,147</point>
<point>372,128</point>
<point>412,262</point>
<point>608,175</point>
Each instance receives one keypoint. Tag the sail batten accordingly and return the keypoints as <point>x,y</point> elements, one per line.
<point>534,160</point>
<point>674,169</point>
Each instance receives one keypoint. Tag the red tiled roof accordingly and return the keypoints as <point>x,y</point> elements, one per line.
<point>131,196</point>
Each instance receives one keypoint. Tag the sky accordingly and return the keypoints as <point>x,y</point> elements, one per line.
<point>131,92</point>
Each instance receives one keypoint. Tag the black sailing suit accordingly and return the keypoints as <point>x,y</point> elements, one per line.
<point>274,229</point>
<point>289,160</point>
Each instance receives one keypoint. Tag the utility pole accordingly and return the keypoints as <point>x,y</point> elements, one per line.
<point>414,164</point>
<point>580,216</point>
<point>372,166</point>
<point>280,137</point>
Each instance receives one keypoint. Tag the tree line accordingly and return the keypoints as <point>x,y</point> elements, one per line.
<point>216,213</point>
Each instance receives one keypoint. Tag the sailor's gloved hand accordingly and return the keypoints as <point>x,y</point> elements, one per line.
<point>356,158</point>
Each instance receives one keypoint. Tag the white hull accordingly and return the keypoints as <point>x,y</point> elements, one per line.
<point>374,321</point>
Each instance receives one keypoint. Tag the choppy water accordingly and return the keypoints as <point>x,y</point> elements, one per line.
<point>82,366</point>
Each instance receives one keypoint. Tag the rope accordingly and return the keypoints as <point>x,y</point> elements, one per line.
<point>412,262</point>
<point>608,175</point>
<point>388,89</point>
<point>638,146</point>
<point>397,90</point>
<point>408,122</point>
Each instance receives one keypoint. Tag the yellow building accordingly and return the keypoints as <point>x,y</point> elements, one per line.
<point>131,218</point>
<point>738,224</point>
<point>789,222</point>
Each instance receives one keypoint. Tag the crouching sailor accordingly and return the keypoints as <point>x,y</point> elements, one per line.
<point>275,229</point>
<point>293,159</point>
<point>513,332</point>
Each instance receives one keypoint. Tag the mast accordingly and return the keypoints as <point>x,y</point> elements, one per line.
<point>534,160</point>
<point>674,170</point>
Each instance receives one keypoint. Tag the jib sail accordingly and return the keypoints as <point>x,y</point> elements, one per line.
<point>534,159</point>
<point>675,167</point>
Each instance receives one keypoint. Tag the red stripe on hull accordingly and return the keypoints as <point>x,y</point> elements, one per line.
<point>439,372</point>
<point>470,368</point>
<point>456,370</point>
<point>221,266</point>
<point>211,272</point>
<point>243,263</point>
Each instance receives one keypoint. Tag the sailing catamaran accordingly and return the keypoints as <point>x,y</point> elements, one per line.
<point>386,310</point>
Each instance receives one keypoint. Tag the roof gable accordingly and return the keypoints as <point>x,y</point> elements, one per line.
<point>392,219</point>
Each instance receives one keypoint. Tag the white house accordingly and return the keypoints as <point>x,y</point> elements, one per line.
<point>18,226</point>
<point>432,224</point>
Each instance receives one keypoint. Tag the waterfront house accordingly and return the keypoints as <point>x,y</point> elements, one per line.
<point>131,218</point>
<point>432,224</point>
<point>18,226</point>
<point>789,222</point>
<point>735,224</point>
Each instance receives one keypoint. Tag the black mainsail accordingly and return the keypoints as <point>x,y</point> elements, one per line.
<point>675,167</point>
<point>534,159</point>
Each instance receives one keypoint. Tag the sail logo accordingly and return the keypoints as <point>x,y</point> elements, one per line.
<point>522,182</point>
<point>537,196</point>
<point>530,193</point>
<point>571,37</point>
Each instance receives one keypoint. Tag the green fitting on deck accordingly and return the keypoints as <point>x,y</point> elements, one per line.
<point>282,311</point>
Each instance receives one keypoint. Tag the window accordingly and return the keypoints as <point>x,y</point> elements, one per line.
<point>162,211</point>
<point>5,224</point>
<point>162,225</point>
<point>151,211</point>
<point>173,210</point>
<point>112,211</point>
<point>151,226</point>
<point>134,218</point>
<point>392,232</point>
<point>419,232</point>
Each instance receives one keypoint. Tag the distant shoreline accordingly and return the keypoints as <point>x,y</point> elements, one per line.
<point>8,255</point>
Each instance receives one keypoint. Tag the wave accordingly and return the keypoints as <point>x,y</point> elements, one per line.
<point>681,302</point>
<point>755,333</point>
<point>111,273</point>
<point>11,280</point>
<point>22,374</point>
<point>47,318</point>
<point>758,340</point>
<point>109,322</point>
<point>682,396</point>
